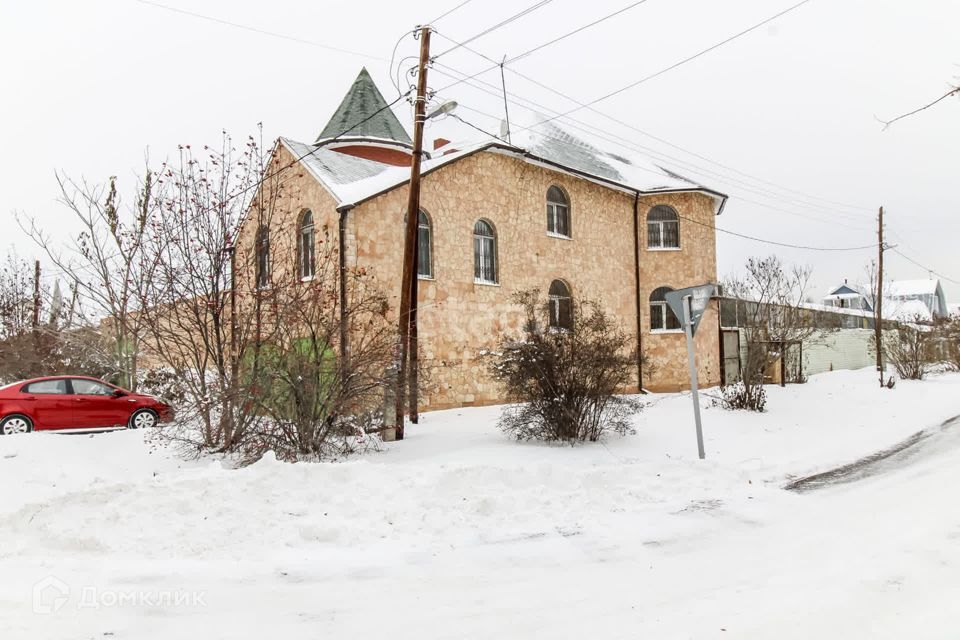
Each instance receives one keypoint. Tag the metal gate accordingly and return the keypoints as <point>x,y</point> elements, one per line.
<point>730,351</point>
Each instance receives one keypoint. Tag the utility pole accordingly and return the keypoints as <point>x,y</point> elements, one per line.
<point>506,110</point>
<point>408,289</point>
<point>878,312</point>
<point>36,296</point>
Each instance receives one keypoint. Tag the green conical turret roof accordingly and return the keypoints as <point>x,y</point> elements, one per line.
<point>364,113</point>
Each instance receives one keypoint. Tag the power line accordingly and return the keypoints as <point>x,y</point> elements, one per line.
<point>680,62</point>
<point>634,146</point>
<point>538,47</point>
<point>615,139</point>
<point>466,78</point>
<point>264,32</point>
<point>444,15</point>
<point>684,150</point>
<point>713,226</point>
<point>574,32</point>
<point>470,124</point>
<point>925,268</point>
<point>502,23</point>
<point>774,242</point>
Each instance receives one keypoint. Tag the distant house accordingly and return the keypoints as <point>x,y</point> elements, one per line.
<point>902,299</point>
<point>848,296</point>
<point>953,308</point>
<point>905,294</point>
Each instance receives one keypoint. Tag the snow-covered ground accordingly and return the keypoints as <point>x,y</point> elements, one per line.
<point>458,532</point>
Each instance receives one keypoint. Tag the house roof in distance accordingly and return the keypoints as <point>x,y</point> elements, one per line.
<point>364,113</point>
<point>913,287</point>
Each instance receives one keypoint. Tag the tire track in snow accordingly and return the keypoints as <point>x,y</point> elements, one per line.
<point>927,442</point>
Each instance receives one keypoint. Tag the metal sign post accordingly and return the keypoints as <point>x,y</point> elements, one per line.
<point>690,304</point>
<point>692,361</point>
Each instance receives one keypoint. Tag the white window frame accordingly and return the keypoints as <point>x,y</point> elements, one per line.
<point>553,301</point>
<point>662,311</point>
<point>261,272</point>
<point>482,242</point>
<point>307,247</point>
<point>553,215</point>
<point>428,226</point>
<point>659,225</point>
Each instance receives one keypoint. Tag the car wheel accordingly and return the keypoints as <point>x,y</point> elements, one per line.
<point>15,424</point>
<point>142,419</point>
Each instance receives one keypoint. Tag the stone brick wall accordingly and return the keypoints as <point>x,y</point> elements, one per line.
<point>459,319</point>
<point>694,263</point>
<point>296,191</point>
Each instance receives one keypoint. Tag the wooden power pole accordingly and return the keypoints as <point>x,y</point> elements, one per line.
<point>878,315</point>
<point>36,296</point>
<point>408,289</point>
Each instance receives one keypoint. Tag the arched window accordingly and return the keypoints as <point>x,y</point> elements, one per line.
<point>306,246</point>
<point>663,228</point>
<point>661,316</point>
<point>262,265</point>
<point>424,247</point>
<point>558,212</point>
<point>484,253</point>
<point>561,306</point>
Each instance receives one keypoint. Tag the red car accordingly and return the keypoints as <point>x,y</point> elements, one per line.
<point>75,402</point>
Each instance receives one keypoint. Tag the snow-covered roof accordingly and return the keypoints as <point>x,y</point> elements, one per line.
<point>907,311</point>
<point>333,169</point>
<point>846,290</point>
<point>913,287</point>
<point>353,180</point>
<point>954,308</point>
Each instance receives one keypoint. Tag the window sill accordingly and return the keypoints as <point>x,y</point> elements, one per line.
<point>663,249</point>
<point>666,331</point>
<point>307,278</point>
<point>486,283</point>
<point>558,236</point>
<point>427,278</point>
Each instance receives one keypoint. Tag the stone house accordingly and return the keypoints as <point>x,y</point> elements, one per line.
<point>547,211</point>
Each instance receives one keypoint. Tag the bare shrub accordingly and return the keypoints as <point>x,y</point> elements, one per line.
<point>565,380</point>
<point>948,333</point>
<point>909,349</point>
<point>316,402</point>
<point>739,396</point>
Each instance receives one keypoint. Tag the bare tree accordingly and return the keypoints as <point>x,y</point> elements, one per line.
<point>102,263</point>
<point>309,390</point>
<point>186,297</point>
<point>774,318</point>
<point>54,345</point>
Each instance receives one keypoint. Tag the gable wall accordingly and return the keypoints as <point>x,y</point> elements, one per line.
<point>298,190</point>
<point>459,318</point>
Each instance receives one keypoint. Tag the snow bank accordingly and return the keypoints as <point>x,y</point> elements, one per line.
<point>457,532</point>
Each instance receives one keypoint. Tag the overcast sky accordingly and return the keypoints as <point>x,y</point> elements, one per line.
<point>89,86</point>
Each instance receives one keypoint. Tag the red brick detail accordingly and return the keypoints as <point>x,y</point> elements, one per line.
<point>396,157</point>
